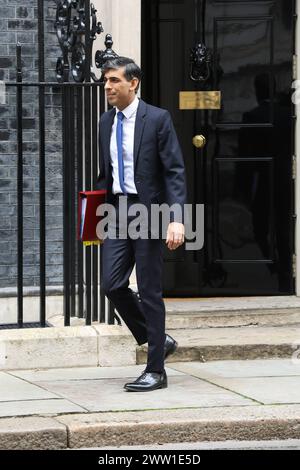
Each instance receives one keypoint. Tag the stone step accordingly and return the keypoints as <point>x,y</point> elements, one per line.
<point>96,430</point>
<point>217,319</point>
<point>232,312</point>
<point>212,344</point>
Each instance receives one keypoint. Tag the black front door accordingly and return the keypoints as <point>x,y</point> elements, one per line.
<point>243,173</point>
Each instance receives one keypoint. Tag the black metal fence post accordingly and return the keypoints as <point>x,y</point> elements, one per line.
<point>102,318</point>
<point>79,161</point>
<point>42,188</point>
<point>95,252</point>
<point>19,109</point>
<point>72,233</point>
<point>87,138</point>
<point>66,200</point>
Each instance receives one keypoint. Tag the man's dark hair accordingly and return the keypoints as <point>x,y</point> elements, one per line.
<point>132,70</point>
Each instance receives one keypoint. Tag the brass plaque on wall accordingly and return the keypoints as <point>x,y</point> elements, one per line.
<point>199,100</point>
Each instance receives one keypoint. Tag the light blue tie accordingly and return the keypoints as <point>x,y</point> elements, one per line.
<point>120,117</point>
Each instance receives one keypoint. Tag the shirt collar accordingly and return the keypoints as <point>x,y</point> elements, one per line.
<point>131,109</point>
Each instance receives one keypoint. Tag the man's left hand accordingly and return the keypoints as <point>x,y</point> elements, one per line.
<point>175,235</point>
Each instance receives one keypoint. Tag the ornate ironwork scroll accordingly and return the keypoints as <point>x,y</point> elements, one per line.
<point>70,26</point>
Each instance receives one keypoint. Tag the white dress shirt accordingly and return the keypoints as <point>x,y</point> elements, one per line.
<point>128,143</point>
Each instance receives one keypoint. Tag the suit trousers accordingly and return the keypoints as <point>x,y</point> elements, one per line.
<point>145,317</point>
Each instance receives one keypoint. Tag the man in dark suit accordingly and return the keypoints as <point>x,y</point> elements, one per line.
<point>140,160</point>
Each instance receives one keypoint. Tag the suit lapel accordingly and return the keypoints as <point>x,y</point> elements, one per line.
<point>139,129</point>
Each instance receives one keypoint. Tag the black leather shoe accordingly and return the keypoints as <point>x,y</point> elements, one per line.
<point>170,346</point>
<point>147,382</point>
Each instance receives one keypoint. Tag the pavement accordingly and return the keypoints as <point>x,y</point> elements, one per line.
<point>87,407</point>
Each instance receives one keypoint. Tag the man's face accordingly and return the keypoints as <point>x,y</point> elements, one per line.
<point>119,91</point>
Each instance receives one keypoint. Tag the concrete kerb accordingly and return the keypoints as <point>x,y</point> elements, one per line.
<point>74,346</point>
<point>183,425</point>
<point>86,430</point>
<point>32,433</point>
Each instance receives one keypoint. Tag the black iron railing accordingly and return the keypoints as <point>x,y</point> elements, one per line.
<point>82,103</point>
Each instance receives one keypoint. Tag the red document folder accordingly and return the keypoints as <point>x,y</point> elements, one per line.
<point>88,203</point>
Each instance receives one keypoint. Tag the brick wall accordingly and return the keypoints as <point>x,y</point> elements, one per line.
<point>18,22</point>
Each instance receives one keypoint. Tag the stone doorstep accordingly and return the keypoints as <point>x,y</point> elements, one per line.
<point>251,423</point>
<point>232,318</point>
<point>225,352</point>
<point>212,344</point>
<point>74,346</point>
<point>113,345</point>
<point>181,313</point>
<point>232,311</point>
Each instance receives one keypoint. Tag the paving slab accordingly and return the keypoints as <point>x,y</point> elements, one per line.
<point>38,407</point>
<point>109,395</point>
<point>263,387</point>
<point>13,388</point>
<point>246,368</point>
<point>83,373</point>
<point>266,390</point>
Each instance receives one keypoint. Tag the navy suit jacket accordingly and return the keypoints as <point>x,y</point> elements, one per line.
<point>159,172</point>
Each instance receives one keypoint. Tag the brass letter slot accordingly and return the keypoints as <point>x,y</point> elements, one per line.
<point>199,100</point>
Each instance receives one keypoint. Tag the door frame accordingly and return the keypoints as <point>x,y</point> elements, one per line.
<point>297,157</point>
<point>127,45</point>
